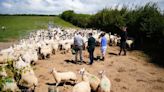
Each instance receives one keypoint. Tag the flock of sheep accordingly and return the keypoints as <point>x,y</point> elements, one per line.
<point>41,45</point>
<point>89,81</point>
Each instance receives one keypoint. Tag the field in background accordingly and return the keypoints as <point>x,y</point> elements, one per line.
<point>19,26</point>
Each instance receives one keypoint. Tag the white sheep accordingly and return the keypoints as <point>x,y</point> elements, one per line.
<point>105,84</point>
<point>26,57</point>
<point>83,86</point>
<point>30,56</point>
<point>46,50</point>
<point>93,80</point>
<point>20,64</point>
<point>28,79</point>
<point>63,76</point>
<point>66,47</point>
<point>3,72</point>
<point>10,85</point>
<point>129,42</point>
<point>55,46</point>
<point>2,59</point>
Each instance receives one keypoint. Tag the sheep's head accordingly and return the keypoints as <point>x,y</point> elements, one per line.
<point>101,73</point>
<point>82,70</point>
<point>51,70</point>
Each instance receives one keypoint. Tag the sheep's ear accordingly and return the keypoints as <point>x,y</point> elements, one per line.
<point>100,72</point>
<point>79,71</point>
<point>103,71</point>
<point>83,69</point>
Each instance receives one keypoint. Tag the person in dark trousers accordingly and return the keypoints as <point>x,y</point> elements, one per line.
<point>91,48</point>
<point>123,40</point>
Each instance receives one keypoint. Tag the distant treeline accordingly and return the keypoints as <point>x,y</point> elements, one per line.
<point>145,24</point>
<point>81,20</point>
<point>25,15</point>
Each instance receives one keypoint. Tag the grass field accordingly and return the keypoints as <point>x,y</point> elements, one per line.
<point>19,26</point>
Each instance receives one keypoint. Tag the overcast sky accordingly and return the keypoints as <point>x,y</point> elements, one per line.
<point>58,6</point>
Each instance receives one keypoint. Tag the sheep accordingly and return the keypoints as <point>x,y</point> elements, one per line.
<point>105,84</point>
<point>83,86</point>
<point>10,86</point>
<point>26,57</point>
<point>30,56</point>
<point>129,43</point>
<point>112,39</point>
<point>46,50</point>
<point>28,79</point>
<point>63,76</point>
<point>20,64</point>
<point>3,72</point>
<point>66,47</point>
<point>93,80</point>
<point>3,28</point>
<point>2,59</point>
<point>55,46</point>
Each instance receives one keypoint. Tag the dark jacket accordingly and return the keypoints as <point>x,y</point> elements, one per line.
<point>123,36</point>
<point>91,43</point>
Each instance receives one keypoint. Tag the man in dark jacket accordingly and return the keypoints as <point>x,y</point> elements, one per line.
<point>91,47</point>
<point>123,40</point>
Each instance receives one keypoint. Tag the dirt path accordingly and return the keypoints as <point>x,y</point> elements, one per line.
<point>4,45</point>
<point>131,73</point>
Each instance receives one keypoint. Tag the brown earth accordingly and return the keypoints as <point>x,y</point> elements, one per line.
<point>131,73</point>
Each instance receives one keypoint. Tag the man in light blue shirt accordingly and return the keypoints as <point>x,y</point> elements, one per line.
<point>103,45</point>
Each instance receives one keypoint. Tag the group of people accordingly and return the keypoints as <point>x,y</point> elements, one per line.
<point>79,44</point>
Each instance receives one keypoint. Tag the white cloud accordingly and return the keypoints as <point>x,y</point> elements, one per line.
<point>58,6</point>
<point>7,4</point>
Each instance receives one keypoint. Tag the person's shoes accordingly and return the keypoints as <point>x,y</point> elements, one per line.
<point>124,55</point>
<point>103,59</point>
<point>80,63</point>
<point>89,63</point>
<point>119,54</point>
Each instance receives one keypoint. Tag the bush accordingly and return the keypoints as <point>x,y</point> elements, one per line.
<point>145,24</point>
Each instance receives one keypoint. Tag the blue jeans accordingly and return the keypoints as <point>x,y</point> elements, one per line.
<point>91,56</point>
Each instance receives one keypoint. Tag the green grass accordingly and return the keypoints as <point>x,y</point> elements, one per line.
<point>19,26</point>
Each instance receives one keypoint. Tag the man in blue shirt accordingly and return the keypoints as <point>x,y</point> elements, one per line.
<point>103,45</point>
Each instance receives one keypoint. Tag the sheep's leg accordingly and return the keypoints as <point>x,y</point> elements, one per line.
<point>64,84</point>
<point>57,84</point>
<point>74,82</point>
<point>53,51</point>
